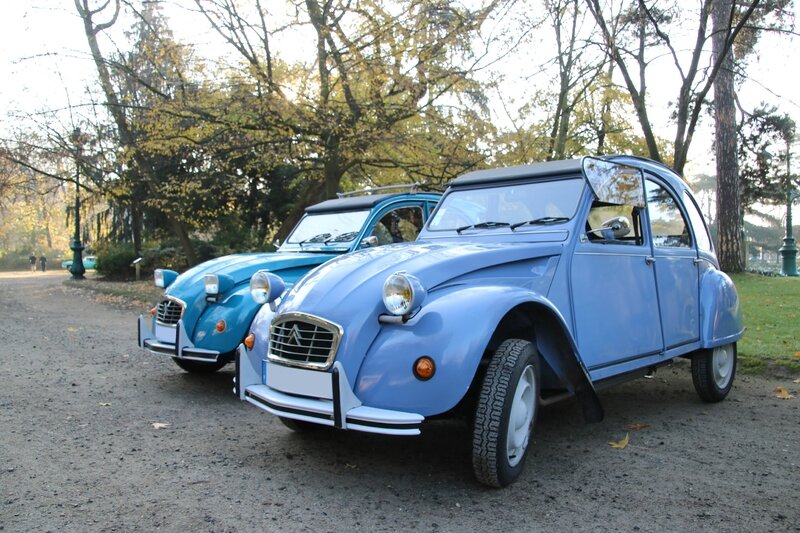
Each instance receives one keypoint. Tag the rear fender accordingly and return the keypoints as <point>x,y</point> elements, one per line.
<point>720,310</point>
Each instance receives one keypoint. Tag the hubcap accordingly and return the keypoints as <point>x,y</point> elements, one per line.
<point>521,417</point>
<point>722,365</point>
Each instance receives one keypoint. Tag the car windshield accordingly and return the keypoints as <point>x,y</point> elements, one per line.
<point>336,229</point>
<point>514,206</point>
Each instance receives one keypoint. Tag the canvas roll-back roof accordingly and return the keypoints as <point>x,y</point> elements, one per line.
<point>351,203</point>
<point>535,170</point>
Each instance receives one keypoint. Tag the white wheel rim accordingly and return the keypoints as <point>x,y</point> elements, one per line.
<point>722,365</point>
<point>521,417</point>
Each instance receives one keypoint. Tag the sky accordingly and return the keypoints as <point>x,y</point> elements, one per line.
<point>45,64</point>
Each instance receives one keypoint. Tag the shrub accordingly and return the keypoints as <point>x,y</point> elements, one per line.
<point>114,260</point>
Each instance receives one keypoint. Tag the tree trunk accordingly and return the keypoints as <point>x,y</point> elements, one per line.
<point>729,226</point>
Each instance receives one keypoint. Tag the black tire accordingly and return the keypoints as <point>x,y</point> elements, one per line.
<point>514,365</point>
<point>299,426</point>
<point>199,367</point>
<point>713,372</point>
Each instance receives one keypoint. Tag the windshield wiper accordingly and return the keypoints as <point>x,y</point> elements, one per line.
<point>316,238</point>
<point>480,225</point>
<point>343,237</point>
<point>540,221</point>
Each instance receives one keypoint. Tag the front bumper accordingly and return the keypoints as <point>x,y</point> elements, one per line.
<point>324,398</point>
<point>181,348</point>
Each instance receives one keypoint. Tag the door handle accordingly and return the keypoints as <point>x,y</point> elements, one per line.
<point>650,260</point>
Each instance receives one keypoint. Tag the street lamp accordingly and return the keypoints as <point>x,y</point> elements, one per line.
<point>77,270</point>
<point>789,249</point>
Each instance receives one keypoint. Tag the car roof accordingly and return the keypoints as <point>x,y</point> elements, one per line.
<point>566,167</point>
<point>535,170</point>
<point>367,201</point>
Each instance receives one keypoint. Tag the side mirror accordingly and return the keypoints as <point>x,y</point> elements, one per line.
<point>369,242</point>
<point>613,228</point>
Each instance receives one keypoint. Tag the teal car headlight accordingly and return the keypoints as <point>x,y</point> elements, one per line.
<point>216,284</point>
<point>163,277</point>
<point>402,293</point>
<point>265,287</point>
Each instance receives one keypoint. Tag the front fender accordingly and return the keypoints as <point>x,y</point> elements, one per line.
<point>721,313</point>
<point>237,310</point>
<point>454,328</point>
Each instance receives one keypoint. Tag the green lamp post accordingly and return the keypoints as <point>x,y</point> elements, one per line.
<point>789,249</point>
<point>77,269</point>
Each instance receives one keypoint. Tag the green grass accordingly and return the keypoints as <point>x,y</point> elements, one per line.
<point>771,308</point>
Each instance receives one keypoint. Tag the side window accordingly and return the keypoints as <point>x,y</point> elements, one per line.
<point>668,227</point>
<point>696,218</point>
<point>614,224</point>
<point>398,225</point>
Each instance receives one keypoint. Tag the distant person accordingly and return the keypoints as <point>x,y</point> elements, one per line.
<point>43,263</point>
<point>32,259</point>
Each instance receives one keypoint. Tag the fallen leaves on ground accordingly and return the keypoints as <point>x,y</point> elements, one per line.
<point>160,425</point>
<point>636,426</point>
<point>620,444</point>
<point>782,393</point>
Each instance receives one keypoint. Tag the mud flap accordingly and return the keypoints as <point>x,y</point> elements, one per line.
<point>571,372</point>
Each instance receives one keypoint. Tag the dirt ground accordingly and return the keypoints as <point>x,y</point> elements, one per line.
<point>97,435</point>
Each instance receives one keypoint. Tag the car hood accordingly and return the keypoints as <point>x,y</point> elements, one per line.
<point>352,284</point>
<point>241,268</point>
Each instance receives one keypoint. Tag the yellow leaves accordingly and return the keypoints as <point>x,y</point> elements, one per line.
<point>160,425</point>
<point>797,355</point>
<point>782,393</point>
<point>620,444</point>
<point>624,441</point>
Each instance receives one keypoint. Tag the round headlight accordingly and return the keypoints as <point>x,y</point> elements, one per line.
<point>266,287</point>
<point>402,293</point>
<point>259,287</point>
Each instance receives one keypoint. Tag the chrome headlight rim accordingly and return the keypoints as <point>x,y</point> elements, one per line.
<point>403,293</point>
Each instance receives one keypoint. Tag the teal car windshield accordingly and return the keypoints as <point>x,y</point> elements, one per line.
<point>511,205</point>
<point>332,229</point>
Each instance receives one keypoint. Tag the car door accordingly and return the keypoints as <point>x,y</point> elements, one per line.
<point>676,268</point>
<point>614,297</point>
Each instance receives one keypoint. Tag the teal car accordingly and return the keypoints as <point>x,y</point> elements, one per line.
<point>89,263</point>
<point>206,311</point>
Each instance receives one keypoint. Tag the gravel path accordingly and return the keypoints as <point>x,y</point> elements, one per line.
<point>97,435</point>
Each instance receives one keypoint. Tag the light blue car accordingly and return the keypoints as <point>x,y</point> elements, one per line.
<point>206,310</point>
<point>528,285</point>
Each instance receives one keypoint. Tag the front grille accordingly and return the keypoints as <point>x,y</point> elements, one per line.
<point>303,340</point>
<point>169,312</point>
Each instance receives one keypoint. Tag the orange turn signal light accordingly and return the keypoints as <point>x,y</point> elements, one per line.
<point>221,326</point>
<point>153,311</point>
<point>424,368</point>
<point>249,341</point>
